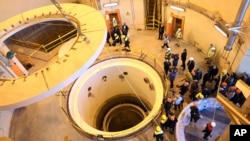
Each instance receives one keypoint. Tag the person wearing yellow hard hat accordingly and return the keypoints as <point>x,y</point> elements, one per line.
<point>117,39</point>
<point>199,96</point>
<point>126,42</point>
<point>168,54</point>
<point>158,134</point>
<point>163,122</point>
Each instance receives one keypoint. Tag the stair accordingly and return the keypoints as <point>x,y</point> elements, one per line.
<point>152,15</point>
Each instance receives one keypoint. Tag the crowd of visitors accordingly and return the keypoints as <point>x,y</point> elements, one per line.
<point>197,83</point>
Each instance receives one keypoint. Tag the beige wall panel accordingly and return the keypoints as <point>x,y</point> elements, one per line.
<point>14,7</point>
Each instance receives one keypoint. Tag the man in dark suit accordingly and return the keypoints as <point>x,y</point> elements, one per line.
<point>161,31</point>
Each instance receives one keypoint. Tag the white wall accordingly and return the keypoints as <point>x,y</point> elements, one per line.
<point>132,12</point>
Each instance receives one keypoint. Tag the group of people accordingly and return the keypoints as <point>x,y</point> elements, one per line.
<point>162,35</point>
<point>195,116</point>
<point>194,81</point>
<point>118,35</point>
<point>167,121</point>
<point>229,90</point>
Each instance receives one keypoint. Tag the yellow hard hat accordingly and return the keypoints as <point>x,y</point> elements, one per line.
<point>123,36</point>
<point>164,118</point>
<point>157,128</point>
<point>200,95</point>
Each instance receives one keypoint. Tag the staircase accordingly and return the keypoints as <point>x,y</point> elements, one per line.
<point>153,14</point>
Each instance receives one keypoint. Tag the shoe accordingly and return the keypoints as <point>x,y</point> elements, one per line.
<point>205,138</point>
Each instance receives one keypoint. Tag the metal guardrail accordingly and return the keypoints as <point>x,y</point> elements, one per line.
<point>49,46</point>
<point>135,53</point>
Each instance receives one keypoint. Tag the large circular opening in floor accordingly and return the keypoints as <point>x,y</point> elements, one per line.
<point>121,112</point>
<point>116,98</point>
<point>124,115</point>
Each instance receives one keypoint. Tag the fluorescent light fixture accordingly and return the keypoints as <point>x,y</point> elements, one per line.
<point>110,4</point>
<point>220,30</point>
<point>177,8</point>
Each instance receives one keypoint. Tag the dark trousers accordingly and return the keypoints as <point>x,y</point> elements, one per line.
<point>160,36</point>
<point>108,42</point>
<point>177,106</point>
<point>183,64</point>
<point>115,41</point>
<point>126,44</point>
<point>165,44</point>
<point>207,133</point>
<point>171,130</point>
<point>194,118</point>
<point>171,83</point>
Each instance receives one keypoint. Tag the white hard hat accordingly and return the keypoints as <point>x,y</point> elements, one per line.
<point>213,48</point>
<point>191,58</point>
<point>179,29</point>
<point>213,124</point>
<point>168,49</point>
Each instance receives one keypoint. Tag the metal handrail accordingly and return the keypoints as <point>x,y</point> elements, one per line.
<point>60,39</point>
<point>136,53</point>
<point>154,21</point>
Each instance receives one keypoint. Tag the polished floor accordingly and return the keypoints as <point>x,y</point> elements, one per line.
<point>44,120</point>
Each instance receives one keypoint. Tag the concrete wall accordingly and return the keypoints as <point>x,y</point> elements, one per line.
<point>131,11</point>
<point>200,28</point>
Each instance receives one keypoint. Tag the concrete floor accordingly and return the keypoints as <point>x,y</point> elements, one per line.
<point>44,120</point>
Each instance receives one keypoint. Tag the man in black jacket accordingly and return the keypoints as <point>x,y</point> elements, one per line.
<point>195,114</point>
<point>183,58</point>
<point>161,31</point>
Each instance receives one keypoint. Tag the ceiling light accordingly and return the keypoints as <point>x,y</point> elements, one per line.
<point>220,30</point>
<point>110,4</point>
<point>177,8</point>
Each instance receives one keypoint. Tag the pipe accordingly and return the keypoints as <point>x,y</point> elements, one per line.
<point>237,22</point>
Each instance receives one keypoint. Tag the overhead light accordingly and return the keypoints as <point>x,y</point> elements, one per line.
<point>110,4</point>
<point>177,8</point>
<point>220,30</point>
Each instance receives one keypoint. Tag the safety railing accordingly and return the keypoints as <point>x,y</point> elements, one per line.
<point>49,46</point>
<point>111,53</point>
